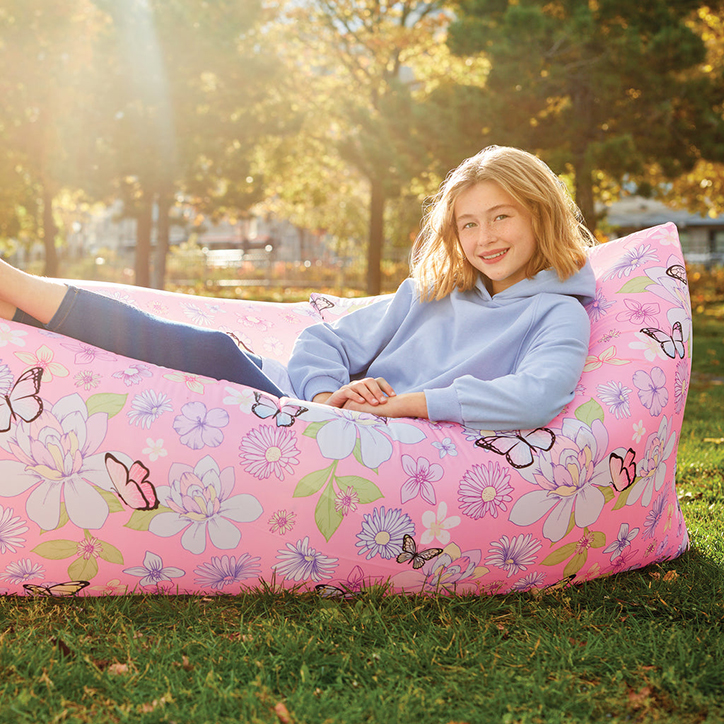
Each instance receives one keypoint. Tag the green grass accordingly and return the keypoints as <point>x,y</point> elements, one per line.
<point>646,646</point>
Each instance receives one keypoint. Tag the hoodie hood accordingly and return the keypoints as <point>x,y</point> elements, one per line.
<point>581,285</point>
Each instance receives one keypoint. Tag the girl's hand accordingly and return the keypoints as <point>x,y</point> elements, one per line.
<point>411,404</point>
<point>371,391</point>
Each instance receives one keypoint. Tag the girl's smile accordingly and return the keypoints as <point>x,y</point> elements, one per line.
<point>496,234</point>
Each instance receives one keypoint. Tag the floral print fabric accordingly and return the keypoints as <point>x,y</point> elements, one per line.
<point>125,477</point>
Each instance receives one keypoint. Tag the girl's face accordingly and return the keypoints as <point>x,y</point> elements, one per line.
<point>495,233</point>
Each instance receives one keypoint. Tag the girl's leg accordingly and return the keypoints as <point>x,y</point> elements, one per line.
<point>125,330</point>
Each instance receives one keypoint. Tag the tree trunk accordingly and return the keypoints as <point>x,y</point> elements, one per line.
<point>162,240</point>
<point>50,231</point>
<point>376,236</point>
<point>144,223</point>
<point>582,98</point>
<point>584,189</point>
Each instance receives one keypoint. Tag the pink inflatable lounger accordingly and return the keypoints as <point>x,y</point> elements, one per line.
<point>138,479</point>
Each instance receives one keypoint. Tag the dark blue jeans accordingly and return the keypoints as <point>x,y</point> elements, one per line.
<point>122,329</point>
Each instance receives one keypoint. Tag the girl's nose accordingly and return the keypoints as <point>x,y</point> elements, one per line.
<point>486,233</point>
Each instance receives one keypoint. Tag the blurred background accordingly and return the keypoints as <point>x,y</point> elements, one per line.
<point>221,145</point>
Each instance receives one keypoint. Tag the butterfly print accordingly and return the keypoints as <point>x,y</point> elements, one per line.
<point>672,344</point>
<point>623,470</point>
<point>321,303</point>
<point>284,415</point>
<point>22,401</point>
<point>239,343</point>
<point>132,485</point>
<point>517,446</point>
<point>69,588</point>
<point>677,271</point>
<point>410,553</point>
<point>558,585</point>
<point>327,590</point>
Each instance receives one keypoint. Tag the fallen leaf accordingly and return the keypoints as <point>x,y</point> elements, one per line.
<point>147,708</point>
<point>283,713</point>
<point>638,698</point>
<point>118,669</point>
<point>670,576</point>
<point>63,648</point>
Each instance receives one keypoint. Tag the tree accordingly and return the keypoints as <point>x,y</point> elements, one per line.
<point>701,189</point>
<point>184,104</point>
<point>44,61</point>
<point>608,86</point>
<point>358,59</point>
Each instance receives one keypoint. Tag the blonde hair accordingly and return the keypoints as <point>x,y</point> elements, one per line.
<point>438,262</point>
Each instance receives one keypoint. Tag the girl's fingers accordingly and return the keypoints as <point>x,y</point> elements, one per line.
<point>369,390</point>
<point>376,390</point>
<point>386,387</point>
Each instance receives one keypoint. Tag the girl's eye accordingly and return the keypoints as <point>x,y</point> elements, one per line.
<point>500,217</point>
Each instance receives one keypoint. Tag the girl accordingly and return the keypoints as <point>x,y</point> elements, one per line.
<point>489,331</point>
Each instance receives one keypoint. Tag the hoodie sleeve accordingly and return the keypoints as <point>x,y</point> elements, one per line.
<point>541,385</point>
<point>327,355</point>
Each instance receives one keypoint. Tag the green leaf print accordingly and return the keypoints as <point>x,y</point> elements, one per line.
<point>623,496</point>
<point>114,504</point>
<point>366,490</point>
<point>110,553</point>
<point>608,493</point>
<point>56,550</point>
<point>312,483</point>
<point>589,411</point>
<point>83,569</point>
<point>141,519</point>
<point>635,286</point>
<point>313,428</point>
<point>108,402</point>
<point>326,516</point>
<point>560,555</point>
<point>576,563</point>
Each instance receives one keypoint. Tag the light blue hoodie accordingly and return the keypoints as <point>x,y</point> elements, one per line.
<point>505,362</point>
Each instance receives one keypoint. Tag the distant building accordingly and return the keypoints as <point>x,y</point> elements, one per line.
<point>702,237</point>
<point>256,236</point>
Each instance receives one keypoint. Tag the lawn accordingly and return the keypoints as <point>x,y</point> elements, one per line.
<point>644,646</point>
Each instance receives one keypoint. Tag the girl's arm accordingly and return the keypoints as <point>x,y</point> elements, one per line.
<point>531,395</point>
<point>376,396</point>
<point>327,356</point>
<point>409,404</point>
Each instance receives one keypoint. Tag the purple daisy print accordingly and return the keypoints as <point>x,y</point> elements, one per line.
<point>22,571</point>
<point>133,374</point>
<point>300,562</point>
<point>615,396</point>
<point>513,554</point>
<point>382,532</point>
<point>599,307</point>
<point>11,529</point>
<point>485,490</point>
<point>681,385</point>
<point>269,450</point>
<point>226,571</point>
<point>147,407</point>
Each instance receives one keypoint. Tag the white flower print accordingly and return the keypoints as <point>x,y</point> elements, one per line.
<point>438,525</point>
